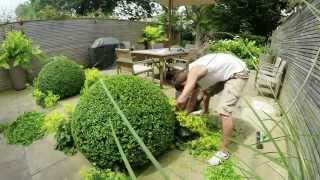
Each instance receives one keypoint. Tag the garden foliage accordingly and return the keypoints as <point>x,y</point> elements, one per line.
<point>95,174</point>
<point>206,144</point>
<point>59,123</point>
<point>208,140</point>
<point>26,129</point>
<point>3,127</point>
<point>60,9</point>
<point>154,34</point>
<point>18,50</point>
<point>61,76</point>
<point>91,76</point>
<point>53,120</point>
<point>45,100</point>
<point>64,138</point>
<point>196,124</point>
<point>226,171</point>
<point>243,48</point>
<point>146,108</point>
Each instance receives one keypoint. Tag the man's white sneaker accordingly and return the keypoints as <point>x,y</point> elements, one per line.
<point>218,158</point>
<point>196,113</point>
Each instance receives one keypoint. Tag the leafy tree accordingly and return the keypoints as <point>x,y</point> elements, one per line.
<point>134,10</point>
<point>26,11</point>
<point>259,17</point>
<point>202,21</point>
<point>31,9</point>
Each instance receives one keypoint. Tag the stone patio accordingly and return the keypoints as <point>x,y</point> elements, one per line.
<point>40,161</point>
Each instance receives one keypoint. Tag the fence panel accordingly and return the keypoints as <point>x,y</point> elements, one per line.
<point>297,41</point>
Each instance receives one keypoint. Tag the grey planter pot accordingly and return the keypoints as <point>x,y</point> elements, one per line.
<point>18,78</point>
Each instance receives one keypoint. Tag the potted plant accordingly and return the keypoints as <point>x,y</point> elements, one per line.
<point>16,55</point>
<point>152,35</point>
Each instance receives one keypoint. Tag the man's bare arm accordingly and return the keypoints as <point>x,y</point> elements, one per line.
<point>206,101</point>
<point>194,75</point>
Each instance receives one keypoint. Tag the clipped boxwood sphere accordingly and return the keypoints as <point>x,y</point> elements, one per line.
<point>146,108</point>
<point>61,76</point>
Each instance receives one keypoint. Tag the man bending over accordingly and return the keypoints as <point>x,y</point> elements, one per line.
<point>211,74</point>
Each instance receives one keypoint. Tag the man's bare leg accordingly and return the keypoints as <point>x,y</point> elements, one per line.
<point>227,125</point>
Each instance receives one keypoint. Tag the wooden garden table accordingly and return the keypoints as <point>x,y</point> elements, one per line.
<point>163,55</point>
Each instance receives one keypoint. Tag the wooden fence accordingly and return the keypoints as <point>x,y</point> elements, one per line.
<point>297,41</point>
<point>70,37</point>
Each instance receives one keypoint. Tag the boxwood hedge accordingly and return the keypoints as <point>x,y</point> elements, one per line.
<point>145,106</point>
<point>61,76</point>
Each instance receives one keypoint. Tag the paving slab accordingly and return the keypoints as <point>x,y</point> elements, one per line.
<point>13,164</point>
<point>10,152</point>
<point>14,103</point>
<point>263,167</point>
<point>15,170</point>
<point>178,164</point>
<point>67,169</point>
<point>41,155</point>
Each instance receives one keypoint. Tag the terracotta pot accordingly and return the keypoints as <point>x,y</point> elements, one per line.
<point>18,77</point>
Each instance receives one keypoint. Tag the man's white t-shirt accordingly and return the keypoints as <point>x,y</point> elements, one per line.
<point>221,67</point>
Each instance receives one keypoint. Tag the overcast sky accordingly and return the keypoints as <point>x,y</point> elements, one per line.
<point>7,7</point>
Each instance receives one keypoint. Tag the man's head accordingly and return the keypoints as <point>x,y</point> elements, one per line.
<point>180,80</point>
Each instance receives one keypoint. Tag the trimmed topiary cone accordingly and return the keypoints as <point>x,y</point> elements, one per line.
<point>62,77</point>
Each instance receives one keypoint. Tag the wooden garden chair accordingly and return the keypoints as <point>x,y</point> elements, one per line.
<point>182,63</point>
<point>126,62</point>
<point>268,68</point>
<point>271,83</point>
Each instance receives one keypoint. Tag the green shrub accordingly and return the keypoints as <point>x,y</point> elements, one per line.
<point>52,121</point>
<point>64,138</point>
<point>196,124</point>
<point>225,171</point>
<point>61,76</point>
<point>50,100</point>
<point>99,174</point>
<point>63,134</point>
<point>68,109</point>
<point>244,49</point>
<point>91,76</point>
<point>26,129</point>
<point>45,100</point>
<point>260,40</point>
<point>204,146</point>
<point>146,108</point>
<point>153,34</point>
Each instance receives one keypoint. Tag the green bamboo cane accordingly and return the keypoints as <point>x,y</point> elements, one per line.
<point>123,156</point>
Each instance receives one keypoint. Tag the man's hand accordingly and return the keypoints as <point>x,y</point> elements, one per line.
<point>194,75</point>
<point>181,102</point>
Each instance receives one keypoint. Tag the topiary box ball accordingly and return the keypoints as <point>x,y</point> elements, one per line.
<point>146,108</point>
<point>61,76</point>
